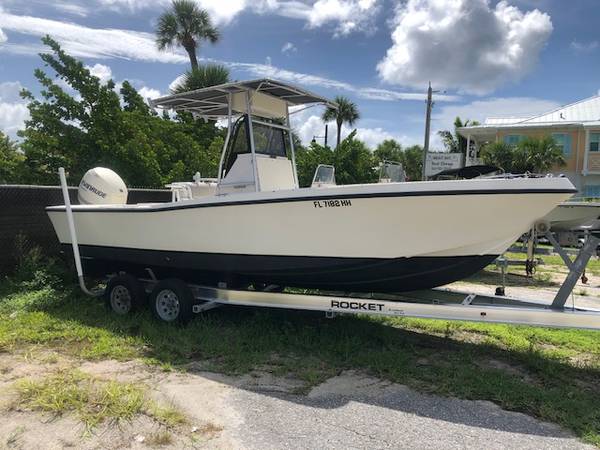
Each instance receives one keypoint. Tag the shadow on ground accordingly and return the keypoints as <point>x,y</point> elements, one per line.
<point>308,348</point>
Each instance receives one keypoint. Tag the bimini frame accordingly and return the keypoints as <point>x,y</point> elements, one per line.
<point>222,101</point>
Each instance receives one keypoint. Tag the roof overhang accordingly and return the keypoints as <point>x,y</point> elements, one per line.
<point>488,130</point>
<point>269,98</point>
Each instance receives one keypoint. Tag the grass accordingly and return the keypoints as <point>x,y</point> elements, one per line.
<point>593,265</point>
<point>548,373</point>
<point>74,392</point>
<point>92,400</point>
<point>159,439</point>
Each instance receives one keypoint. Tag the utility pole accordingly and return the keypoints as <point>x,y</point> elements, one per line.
<point>427,129</point>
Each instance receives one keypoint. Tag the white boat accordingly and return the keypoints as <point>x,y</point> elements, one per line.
<point>258,227</point>
<point>574,216</point>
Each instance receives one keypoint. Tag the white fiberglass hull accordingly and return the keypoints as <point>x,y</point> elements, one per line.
<point>573,215</point>
<point>397,236</point>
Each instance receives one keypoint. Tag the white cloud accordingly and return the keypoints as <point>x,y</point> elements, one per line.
<point>147,92</point>
<point>372,137</point>
<point>464,44</point>
<point>176,82</point>
<point>71,8</point>
<point>288,48</point>
<point>13,110</point>
<point>346,16</point>
<point>584,47</point>
<point>104,73</point>
<point>3,37</point>
<point>307,124</point>
<point>493,107</point>
<point>220,14</point>
<point>267,71</point>
<point>87,42</point>
<point>349,15</point>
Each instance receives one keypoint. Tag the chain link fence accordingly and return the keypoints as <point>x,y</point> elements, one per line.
<point>24,223</point>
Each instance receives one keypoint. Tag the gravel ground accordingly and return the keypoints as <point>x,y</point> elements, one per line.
<point>260,411</point>
<point>358,412</point>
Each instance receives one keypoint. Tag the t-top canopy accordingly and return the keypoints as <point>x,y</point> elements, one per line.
<point>269,99</point>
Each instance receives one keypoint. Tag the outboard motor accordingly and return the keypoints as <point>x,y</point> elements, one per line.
<point>102,186</point>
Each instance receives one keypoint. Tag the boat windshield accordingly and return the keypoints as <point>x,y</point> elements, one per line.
<point>267,141</point>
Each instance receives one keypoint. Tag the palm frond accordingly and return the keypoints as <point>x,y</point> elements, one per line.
<point>202,77</point>
<point>166,31</point>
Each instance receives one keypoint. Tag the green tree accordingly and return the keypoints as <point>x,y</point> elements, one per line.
<point>499,154</point>
<point>389,150</point>
<point>202,77</point>
<point>541,154</point>
<point>534,155</point>
<point>133,100</point>
<point>12,162</point>
<point>412,162</point>
<point>186,25</point>
<point>454,142</point>
<point>346,112</point>
<point>91,128</point>
<point>354,162</point>
<point>307,160</point>
<point>411,158</point>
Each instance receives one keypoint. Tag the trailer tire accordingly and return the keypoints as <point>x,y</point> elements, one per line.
<point>124,294</point>
<point>172,301</point>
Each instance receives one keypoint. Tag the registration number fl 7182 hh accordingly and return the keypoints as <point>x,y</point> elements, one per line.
<point>332,203</point>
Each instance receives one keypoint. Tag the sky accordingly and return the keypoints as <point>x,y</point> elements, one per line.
<point>483,57</point>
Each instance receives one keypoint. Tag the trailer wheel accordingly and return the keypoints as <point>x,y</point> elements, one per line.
<point>172,301</point>
<point>124,293</point>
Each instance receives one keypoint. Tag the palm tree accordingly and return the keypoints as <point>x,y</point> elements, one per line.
<point>346,112</point>
<point>536,155</point>
<point>541,154</point>
<point>201,77</point>
<point>185,24</point>
<point>453,141</point>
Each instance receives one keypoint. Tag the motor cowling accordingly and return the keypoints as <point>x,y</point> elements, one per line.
<point>102,186</point>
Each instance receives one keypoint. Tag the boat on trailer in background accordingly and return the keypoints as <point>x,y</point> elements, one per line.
<point>253,226</point>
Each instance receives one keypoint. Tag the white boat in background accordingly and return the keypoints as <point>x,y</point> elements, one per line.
<point>254,224</point>
<point>574,216</point>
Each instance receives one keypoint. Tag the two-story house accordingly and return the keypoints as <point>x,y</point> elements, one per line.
<point>574,127</point>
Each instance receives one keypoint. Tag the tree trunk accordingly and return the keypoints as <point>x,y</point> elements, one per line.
<point>339,133</point>
<point>192,54</point>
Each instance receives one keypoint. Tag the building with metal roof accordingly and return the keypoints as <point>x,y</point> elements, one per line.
<point>575,127</point>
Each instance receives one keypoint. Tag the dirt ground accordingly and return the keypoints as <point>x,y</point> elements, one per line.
<point>261,411</point>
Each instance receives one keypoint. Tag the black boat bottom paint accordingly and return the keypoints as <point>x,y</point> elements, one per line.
<point>336,274</point>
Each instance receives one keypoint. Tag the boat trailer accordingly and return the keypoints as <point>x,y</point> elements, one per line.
<point>439,303</point>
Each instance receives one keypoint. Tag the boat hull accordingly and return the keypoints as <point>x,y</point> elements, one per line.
<point>335,274</point>
<point>574,216</point>
<point>392,237</point>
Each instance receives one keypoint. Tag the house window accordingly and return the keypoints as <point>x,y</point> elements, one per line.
<point>594,142</point>
<point>512,139</point>
<point>563,141</point>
